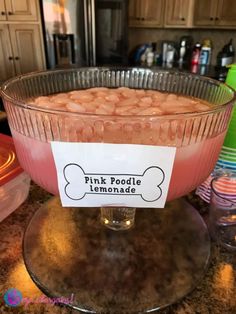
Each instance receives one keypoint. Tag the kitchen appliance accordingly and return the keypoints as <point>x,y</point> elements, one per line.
<point>64,49</point>
<point>85,32</point>
<point>226,55</point>
<point>185,46</point>
<point>163,257</point>
<point>168,52</point>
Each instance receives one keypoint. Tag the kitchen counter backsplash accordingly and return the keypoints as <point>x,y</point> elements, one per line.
<point>172,45</point>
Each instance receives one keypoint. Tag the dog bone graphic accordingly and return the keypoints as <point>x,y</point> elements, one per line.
<point>147,185</point>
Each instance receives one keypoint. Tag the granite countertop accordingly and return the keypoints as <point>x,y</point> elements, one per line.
<point>211,71</point>
<point>216,294</point>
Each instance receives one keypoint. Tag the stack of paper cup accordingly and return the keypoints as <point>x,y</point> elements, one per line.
<point>227,158</point>
<point>225,187</point>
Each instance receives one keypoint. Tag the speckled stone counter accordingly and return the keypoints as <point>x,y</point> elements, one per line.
<point>216,294</point>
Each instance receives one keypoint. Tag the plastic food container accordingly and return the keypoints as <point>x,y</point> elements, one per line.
<point>14,182</point>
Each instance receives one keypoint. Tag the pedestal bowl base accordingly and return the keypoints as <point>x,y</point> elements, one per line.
<point>69,254</point>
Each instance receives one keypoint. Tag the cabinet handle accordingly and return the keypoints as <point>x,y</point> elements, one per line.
<point>211,18</point>
<point>3,13</point>
<point>10,58</point>
<point>217,19</point>
<point>10,13</point>
<point>182,19</point>
<point>143,18</point>
<point>17,58</point>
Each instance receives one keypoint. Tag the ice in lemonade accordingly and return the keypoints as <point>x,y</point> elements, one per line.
<point>122,101</point>
<point>124,115</point>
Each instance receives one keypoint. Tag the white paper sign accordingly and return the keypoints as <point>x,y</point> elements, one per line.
<point>99,174</point>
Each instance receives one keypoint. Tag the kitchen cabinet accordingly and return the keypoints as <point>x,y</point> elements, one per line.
<point>179,13</point>
<point>18,10</point>
<point>19,50</point>
<point>21,40</point>
<point>7,68</point>
<point>146,13</point>
<point>2,11</point>
<point>226,12</point>
<point>26,50</point>
<point>215,13</point>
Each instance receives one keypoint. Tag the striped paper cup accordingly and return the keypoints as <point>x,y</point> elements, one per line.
<point>230,137</point>
<point>225,186</point>
<point>225,164</point>
<point>204,190</point>
<point>228,154</point>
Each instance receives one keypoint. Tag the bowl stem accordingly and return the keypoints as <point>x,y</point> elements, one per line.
<point>118,218</point>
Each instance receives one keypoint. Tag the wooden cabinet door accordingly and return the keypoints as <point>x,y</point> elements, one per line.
<point>3,16</point>
<point>134,12</point>
<point>152,13</point>
<point>21,10</point>
<point>7,69</point>
<point>179,13</point>
<point>134,9</point>
<point>205,12</point>
<point>226,13</point>
<point>27,48</point>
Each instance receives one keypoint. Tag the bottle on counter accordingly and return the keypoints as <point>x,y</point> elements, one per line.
<point>182,51</point>
<point>226,55</point>
<point>143,56</point>
<point>185,49</point>
<point>150,55</point>
<point>170,54</point>
<point>205,55</point>
<point>157,55</point>
<point>196,54</point>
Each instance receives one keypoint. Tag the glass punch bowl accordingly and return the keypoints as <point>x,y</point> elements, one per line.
<point>117,279</point>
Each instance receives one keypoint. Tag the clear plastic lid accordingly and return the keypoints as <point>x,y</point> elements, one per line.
<point>9,165</point>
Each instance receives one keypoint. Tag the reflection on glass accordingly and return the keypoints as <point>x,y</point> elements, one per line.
<point>223,283</point>
<point>20,279</point>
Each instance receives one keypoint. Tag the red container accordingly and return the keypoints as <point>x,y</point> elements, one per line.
<point>14,182</point>
<point>196,54</point>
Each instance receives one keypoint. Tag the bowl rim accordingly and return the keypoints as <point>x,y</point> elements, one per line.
<point>29,106</point>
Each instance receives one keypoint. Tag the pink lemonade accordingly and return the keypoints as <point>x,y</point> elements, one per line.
<point>192,165</point>
<point>104,121</point>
